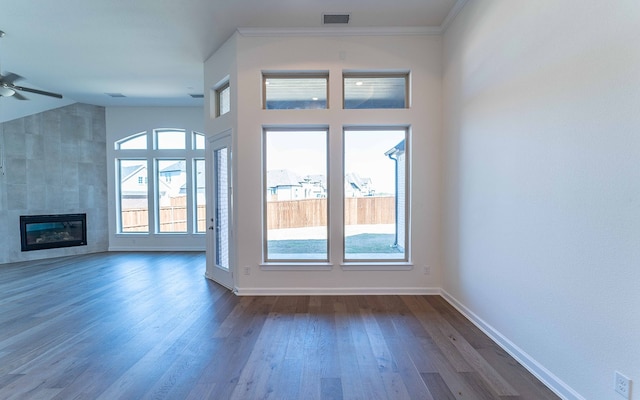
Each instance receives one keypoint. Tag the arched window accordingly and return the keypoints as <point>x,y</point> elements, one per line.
<point>160,178</point>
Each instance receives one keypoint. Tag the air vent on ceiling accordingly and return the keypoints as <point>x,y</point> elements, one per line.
<point>328,19</point>
<point>115,95</point>
<point>196,95</point>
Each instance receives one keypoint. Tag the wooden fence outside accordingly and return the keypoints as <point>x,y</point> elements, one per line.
<point>280,214</point>
<point>172,219</point>
<point>313,212</point>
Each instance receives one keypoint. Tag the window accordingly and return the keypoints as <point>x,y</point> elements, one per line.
<point>223,99</point>
<point>199,172</point>
<point>175,197</point>
<point>375,165</point>
<point>295,190</point>
<point>171,186</point>
<point>375,91</point>
<point>222,206</point>
<point>134,201</point>
<point>198,141</point>
<point>170,139</point>
<point>133,142</point>
<point>370,224</point>
<point>295,91</point>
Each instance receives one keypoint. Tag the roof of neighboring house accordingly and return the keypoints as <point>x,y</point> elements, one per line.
<point>320,180</point>
<point>127,172</point>
<point>356,181</point>
<point>282,177</point>
<point>178,166</point>
<point>183,188</point>
<point>397,149</point>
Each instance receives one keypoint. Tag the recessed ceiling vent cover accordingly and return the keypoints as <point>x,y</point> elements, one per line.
<point>115,95</point>
<point>196,95</point>
<point>328,19</point>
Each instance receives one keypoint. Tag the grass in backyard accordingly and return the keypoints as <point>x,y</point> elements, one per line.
<point>375,243</point>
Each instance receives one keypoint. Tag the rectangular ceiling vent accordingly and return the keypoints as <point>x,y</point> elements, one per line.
<point>115,95</point>
<point>330,19</point>
<point>196,95</point>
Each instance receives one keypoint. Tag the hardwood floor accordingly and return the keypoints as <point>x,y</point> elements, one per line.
<point>137,326</point>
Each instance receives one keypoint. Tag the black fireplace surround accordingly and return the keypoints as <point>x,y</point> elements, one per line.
<point>39,232</point>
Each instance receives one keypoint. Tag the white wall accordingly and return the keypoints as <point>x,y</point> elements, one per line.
<point>125,121</point>
<point>253,54</point>
<point>542,184</point>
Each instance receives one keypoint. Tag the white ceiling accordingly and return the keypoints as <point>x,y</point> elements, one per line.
<point>152,51</point>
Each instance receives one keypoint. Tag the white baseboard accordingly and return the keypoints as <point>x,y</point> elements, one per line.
<point>334,291</point>
<point>544,375</point>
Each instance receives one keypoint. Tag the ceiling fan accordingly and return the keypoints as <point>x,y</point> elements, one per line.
<point>8,88</point>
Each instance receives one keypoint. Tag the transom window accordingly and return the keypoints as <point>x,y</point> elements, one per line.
<point>133,142</point>
<point>295,91</point>
<point>375,90</point>
<point>223,99</point>
<point>170,139</point>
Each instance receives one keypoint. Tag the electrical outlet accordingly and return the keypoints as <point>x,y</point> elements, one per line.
<point>247,270</point>
<point>622,385</point>
<point>427,270</point>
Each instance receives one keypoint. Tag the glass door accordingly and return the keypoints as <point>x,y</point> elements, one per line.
<point>219,234</point>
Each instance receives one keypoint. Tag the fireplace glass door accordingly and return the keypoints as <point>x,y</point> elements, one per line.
<point>51,231</point>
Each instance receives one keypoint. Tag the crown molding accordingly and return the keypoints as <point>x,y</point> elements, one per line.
<point>455,10</point>
<point>336,31</point>
<point>358,31</point>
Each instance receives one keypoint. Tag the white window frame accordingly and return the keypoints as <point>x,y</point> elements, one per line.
<point>266,76</point>
<point>377,75</point>
<point>335,244</point>
<point>407,196</point>
<point>219,91</point>
<point>272,262</point>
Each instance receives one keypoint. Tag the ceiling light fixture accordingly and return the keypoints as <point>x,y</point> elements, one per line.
<point>6,91</point>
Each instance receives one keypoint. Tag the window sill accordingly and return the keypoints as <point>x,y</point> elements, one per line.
<point>296,266</point>
<point>372,266</point>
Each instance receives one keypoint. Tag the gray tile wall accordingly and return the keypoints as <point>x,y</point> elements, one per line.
<point>54,163</point>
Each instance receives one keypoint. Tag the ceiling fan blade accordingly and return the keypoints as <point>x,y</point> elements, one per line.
<point>36,91</point>
<point>18,96</point>
<point>10,78</point>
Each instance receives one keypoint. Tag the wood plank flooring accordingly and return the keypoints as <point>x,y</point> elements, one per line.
<point>150,326</point>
